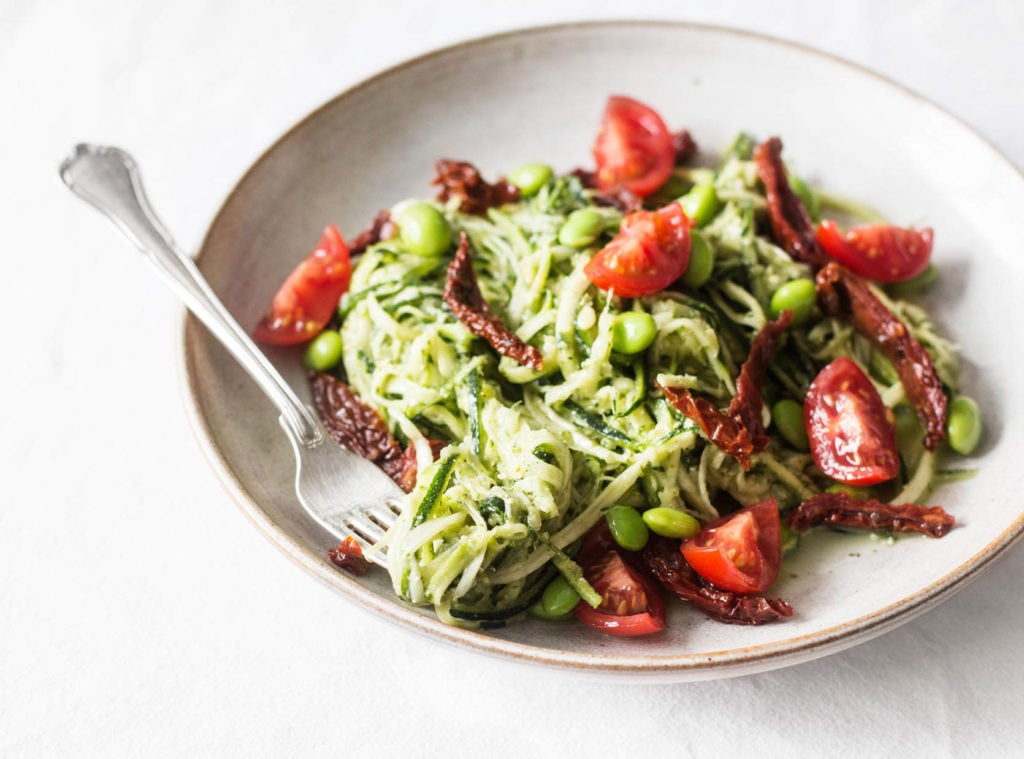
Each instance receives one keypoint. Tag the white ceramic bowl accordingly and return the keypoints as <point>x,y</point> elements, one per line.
<point>537,95</point>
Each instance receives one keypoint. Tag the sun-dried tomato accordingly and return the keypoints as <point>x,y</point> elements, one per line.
<point>791,224</point>
<point>844,510</point>
<point>619,198</point>
<point>461,180</point>
<point>381,228</point>
<point>842,294</point>
<point>662,559</point>
<point>349,555</point>
<point>404,471</point>
<point>684,146</point>
<point>359,428</point>
<point>746,405</point>
<point>587,177</point>
<point>436,446</point>
<point>739,430</point>
<point>725,431</point>
<point>462,294</point>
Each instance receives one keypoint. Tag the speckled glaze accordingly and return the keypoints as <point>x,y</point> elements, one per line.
<point>537,95</point>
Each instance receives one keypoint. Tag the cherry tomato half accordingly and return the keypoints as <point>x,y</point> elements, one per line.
<point>308,297</point>
<point>633,148</point>
<point>851,432</point>
<point>740,552</point>
<point>632,604</point>
<point>650,252</point>
<point>880,252</point>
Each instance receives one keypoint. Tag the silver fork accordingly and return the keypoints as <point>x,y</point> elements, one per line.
<point>346,494</point>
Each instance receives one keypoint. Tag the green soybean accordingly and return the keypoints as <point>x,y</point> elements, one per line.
<point>798,296</point>
<point>323,352</point>
<point>627,527</point>
<point>424,230</point>
<point>700,203</point>
<point>671,523</point>
<point>581,228</point>
<point>557,601</point>
<point>964,426</point>
<point>788,418</point>
<point>530,177</point>
<point>633,331</point>
<point>702,262</point>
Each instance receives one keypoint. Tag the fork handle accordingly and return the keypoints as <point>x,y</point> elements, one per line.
<point>108,178</point>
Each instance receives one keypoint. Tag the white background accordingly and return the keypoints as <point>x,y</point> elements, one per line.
<point>140,613</point>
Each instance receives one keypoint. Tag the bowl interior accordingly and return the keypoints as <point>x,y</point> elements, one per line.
<point>538,95</point>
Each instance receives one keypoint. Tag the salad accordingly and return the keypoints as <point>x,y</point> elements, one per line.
<point>609,386</point>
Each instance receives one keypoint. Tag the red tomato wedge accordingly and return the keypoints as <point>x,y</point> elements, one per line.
<point>740,552</point>
<point>650,252</point>
<point>632,604</point>
<point>308,297</point>
<point>851,432</point>
<point>633,148</point>
<point>880,252</point>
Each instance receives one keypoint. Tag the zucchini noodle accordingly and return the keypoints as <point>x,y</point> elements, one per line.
<point>531,459</point>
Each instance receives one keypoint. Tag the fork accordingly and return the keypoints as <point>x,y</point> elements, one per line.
<point>344,493</point>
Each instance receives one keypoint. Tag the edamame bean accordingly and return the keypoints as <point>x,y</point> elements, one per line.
<point>788,417</point>
<point>671,523</point>
<point>700,203</point>
<point>633,331</point>
<point>798,296</point>
<point>323,352</point>
<point>702,262</point>
<point>964,425</point>
<point>581,228</point>
<point>628,527</point>
<point>424,230</point>
<point>557,601</point>
<point>807,195</point>
<point>530,177</point>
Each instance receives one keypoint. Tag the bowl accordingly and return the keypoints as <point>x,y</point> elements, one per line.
<point>537,95</point>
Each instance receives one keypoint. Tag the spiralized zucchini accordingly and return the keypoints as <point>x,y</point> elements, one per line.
<point>533,458</point>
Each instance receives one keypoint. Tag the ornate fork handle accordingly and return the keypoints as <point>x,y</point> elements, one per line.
<point>108,179</point>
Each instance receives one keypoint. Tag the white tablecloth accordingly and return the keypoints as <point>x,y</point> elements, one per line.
<point>141,614</point>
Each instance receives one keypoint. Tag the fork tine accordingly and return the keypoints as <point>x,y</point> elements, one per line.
<point>345,492</point>
<point>369,525</point>
<point>384,514</point>
<point>363,528</point>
